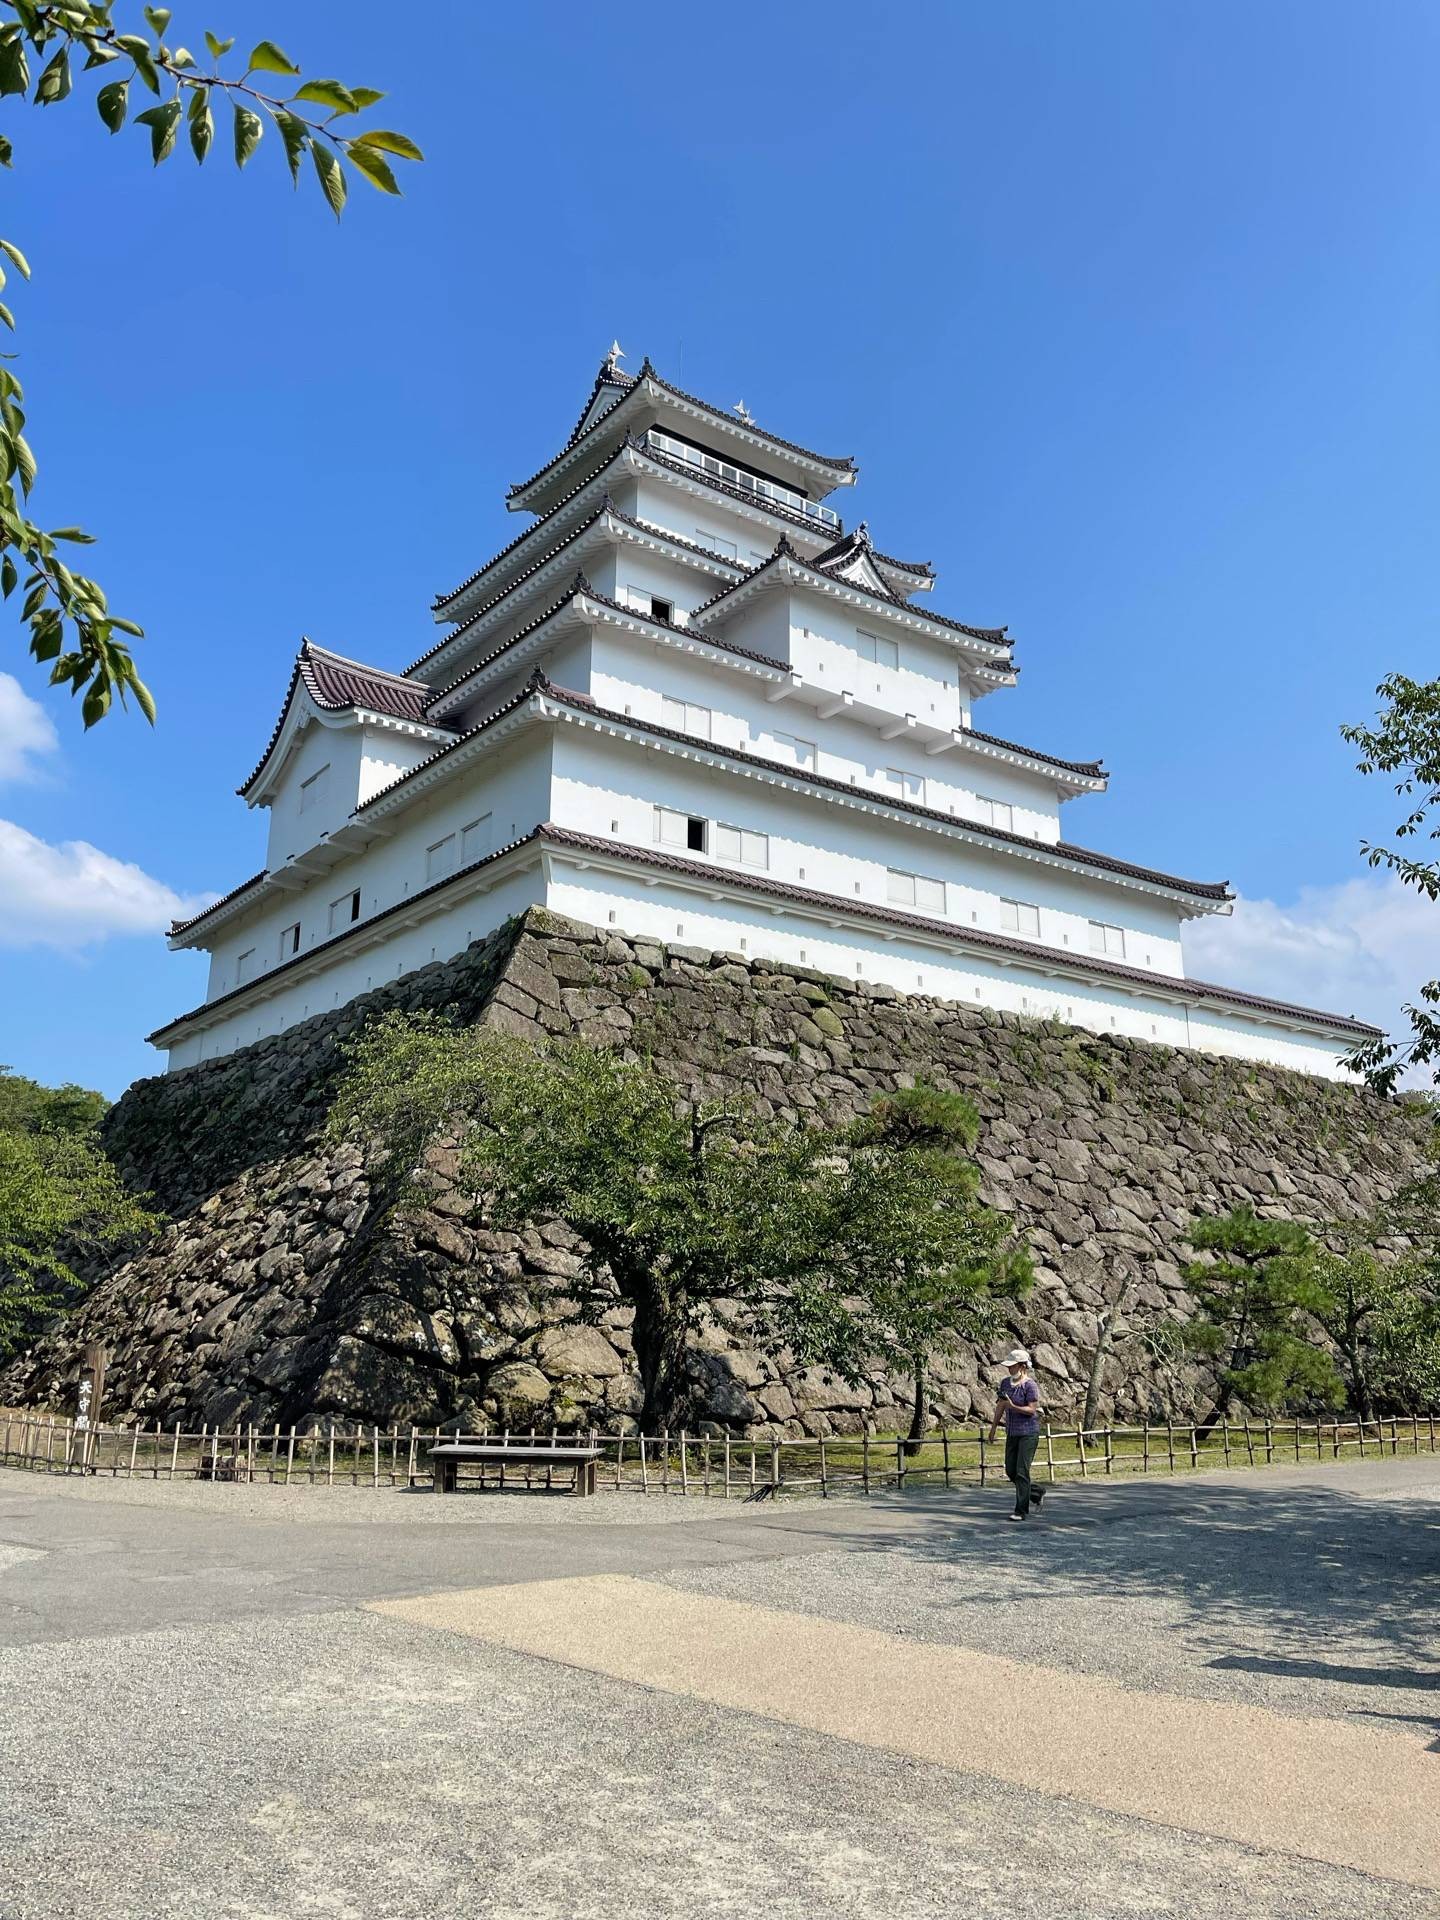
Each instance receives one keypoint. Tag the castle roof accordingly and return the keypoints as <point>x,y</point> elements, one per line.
<point>337,684</point>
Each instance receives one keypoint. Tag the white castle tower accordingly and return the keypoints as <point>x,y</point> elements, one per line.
<point>687,704</point>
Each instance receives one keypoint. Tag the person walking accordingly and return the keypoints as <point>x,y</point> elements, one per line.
<point>1019,1404</point>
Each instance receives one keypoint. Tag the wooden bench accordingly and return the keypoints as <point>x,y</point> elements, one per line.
<point>445,1461</point>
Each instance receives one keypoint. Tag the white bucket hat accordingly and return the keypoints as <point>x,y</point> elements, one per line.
<point>1017,1357</point>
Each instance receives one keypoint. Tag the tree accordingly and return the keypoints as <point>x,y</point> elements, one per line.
<point>822,1239</point>
<point>1382,1321</point>
<point>928,1262</point>
<point>27,1107</point>
<point>1406,740</point>
<point>71,625</point>
<point>1253,1298</point>
<point>60,1199</point>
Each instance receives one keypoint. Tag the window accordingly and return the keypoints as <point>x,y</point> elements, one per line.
<point>871,646</point>
<point>914,890</point>
<point>996,813</point>
<point>802,752</point>
<point>685,716</point>
<point>1107,940</point>
<point>344,910</point>
<point>244,966</point>
<point>1018,916</point>
<point>674,829</point>
<point>717,543</point>
<point>289,941</point>
<point>440,858</point>
<point>909,786</point>
<point>662,609</point>
<point>477,840</point>
<point>739,844</point>
<point>312,791</point>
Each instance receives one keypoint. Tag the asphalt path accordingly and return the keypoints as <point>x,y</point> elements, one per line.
<point>245,1703</point>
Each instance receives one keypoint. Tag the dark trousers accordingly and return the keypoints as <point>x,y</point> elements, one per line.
<point>1019,1452</point>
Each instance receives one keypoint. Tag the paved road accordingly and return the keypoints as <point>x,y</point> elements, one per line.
<point>252,1705</point>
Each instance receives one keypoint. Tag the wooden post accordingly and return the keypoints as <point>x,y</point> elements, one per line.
<point>1194,1447</point>
<point>1084,1463</point>
<point>1297,1439</point>
<point>1269,1441</point>
<point>1109,1448</point>
<point>727,1463</point>
<point>774,1464</point>
<point>865,1460</point>
<point>644,1470</point>
<point>824,1483</point>
<point>981,1430</point>
<point>684,1466</point>
<point>1049,1457</point>
<point>134,1448</point>
<point>375,1456</point>
<point>1145,1445</point>
<point>1225,1438</point>
<point>665,1459</point>
<point>619,1454</point>
<point>945,1451</point>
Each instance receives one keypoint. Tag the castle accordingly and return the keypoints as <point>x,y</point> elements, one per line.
<point>687,704</point>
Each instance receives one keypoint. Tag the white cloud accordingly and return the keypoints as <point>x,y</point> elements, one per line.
<point>1363,946</point>
<point>26,730</point>
<point>72,895</point>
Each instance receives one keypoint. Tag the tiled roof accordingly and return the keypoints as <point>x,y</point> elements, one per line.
<point>1062,849</point>
<point>606,506</point>
<point>844,463</point>
<point>336,684</point>
<point>1090,769</point>
<point>799,896</point>
<point>962,936</point>
<point>632,444</point>
<point>225,900</point>
<point>995,636</point>
<point>849,544</point>
<point>582,586</point>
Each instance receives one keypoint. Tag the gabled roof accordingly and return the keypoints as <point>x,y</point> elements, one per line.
<point>647,381</point>
<point>581,589</point>
<point>853,546</point>
<point>606,510</point>
<point>633,445</point>
<point>785,557</point>
<point>225,900</point>
<point>338,685</point>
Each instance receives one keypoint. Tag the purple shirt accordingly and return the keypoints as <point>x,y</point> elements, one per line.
<point>1017,1397</point>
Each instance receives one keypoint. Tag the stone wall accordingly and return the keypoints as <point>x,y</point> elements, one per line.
<point>279,1293</point>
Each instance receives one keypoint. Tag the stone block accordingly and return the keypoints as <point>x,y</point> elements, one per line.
<point>577,1351</point>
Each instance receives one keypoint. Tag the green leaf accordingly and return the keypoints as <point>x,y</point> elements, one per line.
<point>25,462</point>
<point>14,67</point>
<point>202,125</point>
<point>248,129</point>
<point>34,600</point>
<point>54,82</point>
<point>163,122</point>
<point>14,255</point>
<point>7,316</point>
<point>7,152</point>
<point>182,57</point>
<point>159,19</point>
<point>97,704</point>
<point>375,169</point>
<point>8,576</point>
<point>111,101</point>
<point>332,176</point>
<point>327,93</point>
<point>296,136</point>
<point>366,97</point>
<point>144,699</point>
<point>218,48</point>
<point>138,48</point>
<point>395,143</point>
<point>128,626</point>
<point>76,535</point>
<point>267,58</point>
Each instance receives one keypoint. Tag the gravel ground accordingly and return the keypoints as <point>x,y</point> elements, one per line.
<point>390,1506</point>
<point>355,1768</point>
<point>199,1721</point>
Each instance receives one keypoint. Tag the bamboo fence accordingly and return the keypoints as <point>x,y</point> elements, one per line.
<point>683,1463</point>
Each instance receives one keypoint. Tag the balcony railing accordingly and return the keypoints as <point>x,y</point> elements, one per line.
<point>785,497</point>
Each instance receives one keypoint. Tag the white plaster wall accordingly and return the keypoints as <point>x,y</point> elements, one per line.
<point>671,914</point>
<point>444,930</point>
<point>512,785</point>
<point>611,788</point>
<point>823,647</point>
<point>384,756</point>
<point>291,831</point>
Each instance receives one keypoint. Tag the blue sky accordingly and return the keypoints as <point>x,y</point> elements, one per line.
<point>1127,310</point>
